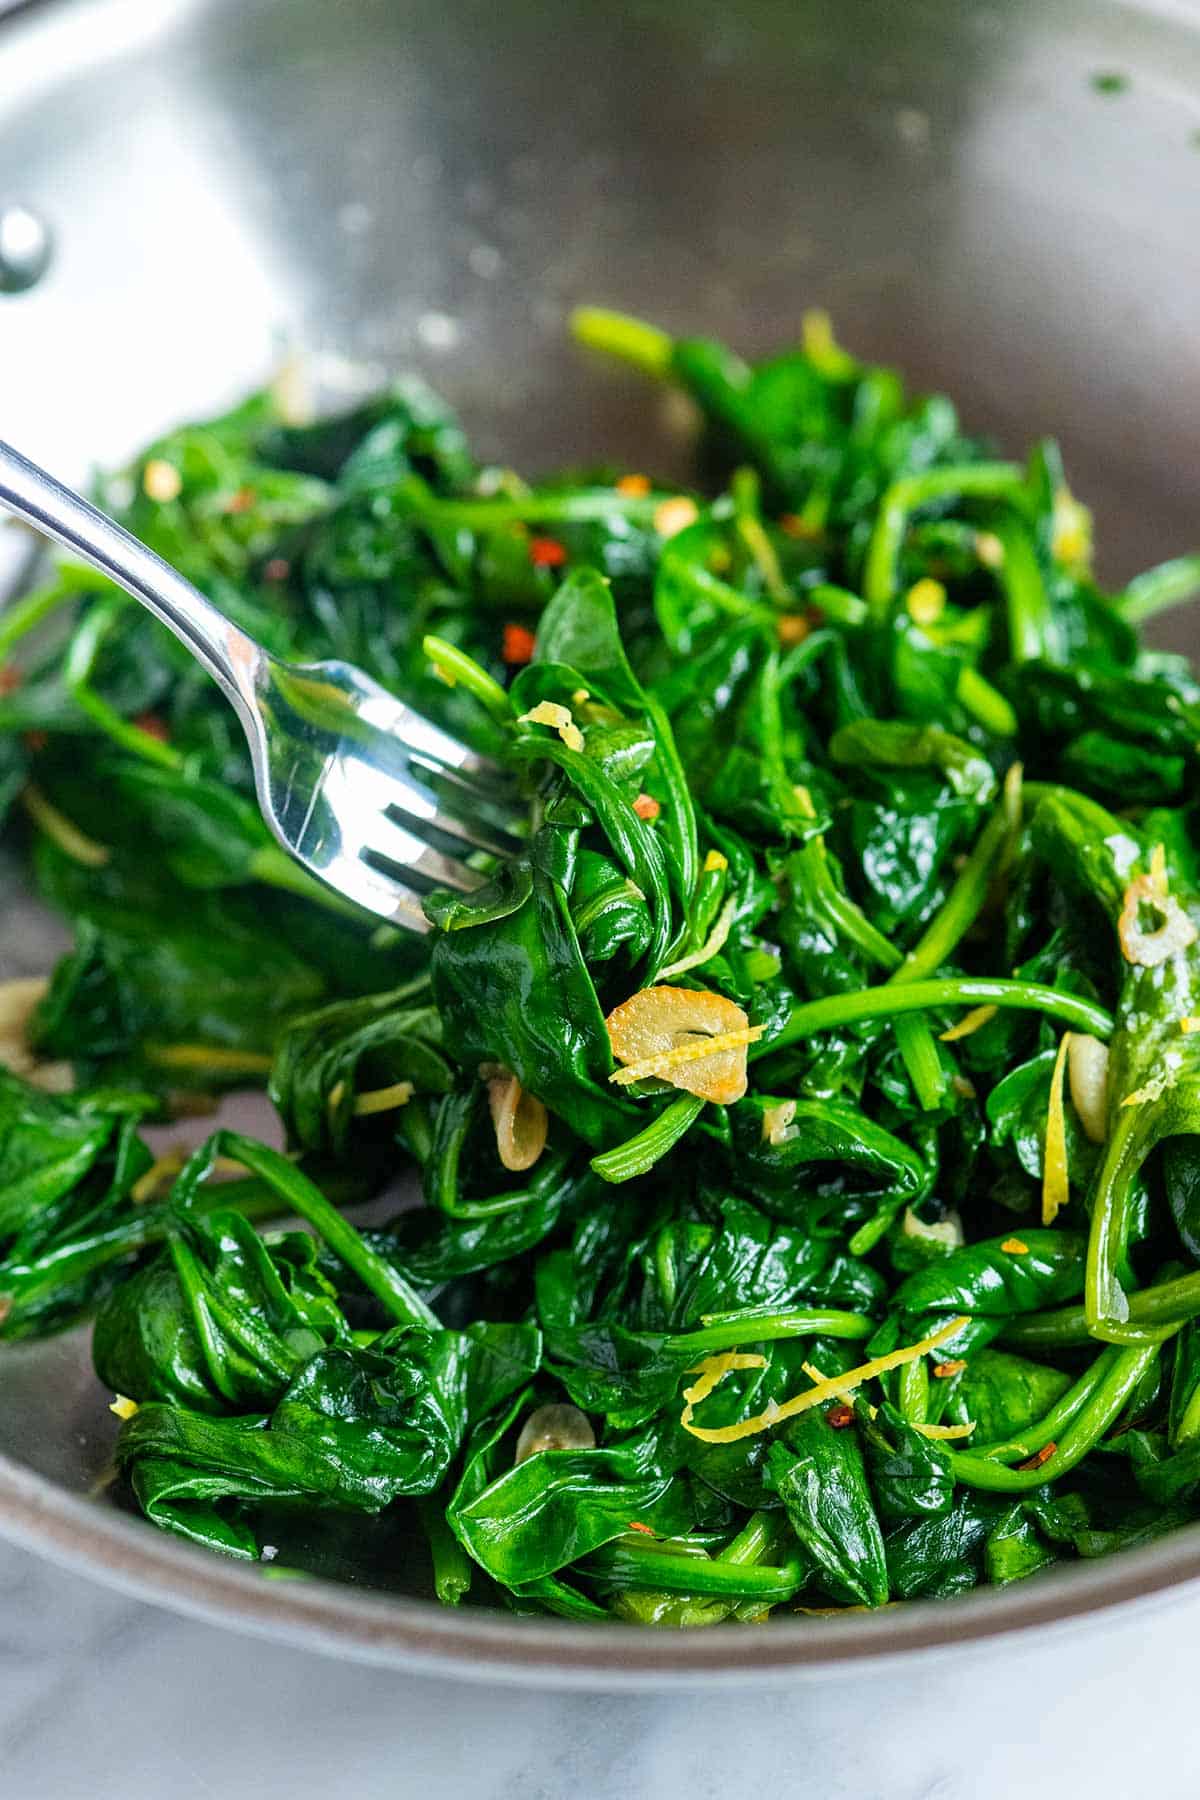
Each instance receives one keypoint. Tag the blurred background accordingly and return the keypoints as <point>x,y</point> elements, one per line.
<point>1001,197</point>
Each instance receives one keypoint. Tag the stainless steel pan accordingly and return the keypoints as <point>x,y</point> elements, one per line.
<point>405,182</point>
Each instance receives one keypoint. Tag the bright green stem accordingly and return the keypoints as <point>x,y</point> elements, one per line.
<point>820,886</point>
<point>986,704</point>
<point>1032,634</point>
<point>1154,1312</point>
<point>1105,1302</point>
<point>912,1391</point>
<point>26,614</point>
<point>305,1198</point>
<point>766,1328</point>
<point>756,1539</point>
<point>61,1268</point>
<point>745,491</point>
<point>985,481</point>
<point>1050,1427</point>
<point>838,604</point>
<point>868,1234</point>
<point>837,1010</point>
<point>640,1153</point>
<point>569,506</point>
<point>619,894</point>
<point>645,346</point>
<point>78,663</point>
<point>213,1321</point>
<point>628,1565</point>
<point>919,1054</point>
<point>1168,585</point>
<point>1095,1417</point>
<point>1189,1424</point>
<point>721,594</point>
<point>852,922</point>
<point>761,1537</point>
<point>962,905</point>
<point>459,669</point>
<point>452,1567</point>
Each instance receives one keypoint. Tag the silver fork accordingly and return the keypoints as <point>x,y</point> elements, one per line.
<point>365,793</point>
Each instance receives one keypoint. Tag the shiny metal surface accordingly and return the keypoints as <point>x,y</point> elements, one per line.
<point>343,771</point>
<point>400,183</point>
<point>25,246</point>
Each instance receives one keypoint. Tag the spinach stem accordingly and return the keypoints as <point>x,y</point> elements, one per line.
<point>628,1565</point>
<point>452,1567</point>
<point>641,1152</point>
<point>459,668</point>
<point>304,1197</point>
<point>765,1328</point>
<point>1032,633</point>
<point>574,506</point>
<point>836,1010</point>
<point>1153,1313</point>
<point>1051,1425</point>
<point>986,704</point>
<point>1157,589</point>
<point>985,480</point>
<point>1099,1412</point>
<point>920,1055</point>
<point>838,604</point>
<point>617,334</point>
<point>1132,1132</point>
<point>962,905</point>
<point>78,663</point>
<point>24,615</point>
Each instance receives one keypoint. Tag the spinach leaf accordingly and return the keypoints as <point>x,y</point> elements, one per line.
<point>846,737</point>
<point>819,1474</point>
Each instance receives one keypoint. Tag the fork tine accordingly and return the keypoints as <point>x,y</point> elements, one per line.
<point>397,795</point>
<point>457,834</point>
<point>377,893</point>
<point>454,810</point>
<point>499,794</point>
<point>392,843</point>
<point>416,733</point>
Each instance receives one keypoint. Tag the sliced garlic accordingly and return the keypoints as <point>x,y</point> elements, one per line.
<point>695,1040</point>
<point>1087,1075</point>
<point>554,1427</point>
<point>520,1120</point>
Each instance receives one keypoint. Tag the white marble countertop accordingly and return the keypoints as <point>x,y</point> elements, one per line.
<point>105,1698</point>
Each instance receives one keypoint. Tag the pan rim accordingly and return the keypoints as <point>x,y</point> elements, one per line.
<point>419,1635</point>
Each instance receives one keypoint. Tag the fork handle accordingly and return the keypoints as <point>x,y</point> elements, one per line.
<point>231,658</point>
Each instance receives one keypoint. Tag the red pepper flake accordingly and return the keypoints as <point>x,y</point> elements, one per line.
<point>518,644</point>
<point>840,1416</point>
<point>242,501</point>
<point>278,569</point>
<point>646,807</point>
<point>1039,1457</point>
<point>547,553</point>
<point>35,741</point>
<point>153,727</point>
<point>1015,1246</point>
<point>944,1370</point>
<point>10,678</point>
<point>636,486</point>
<point>636,1525</point>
